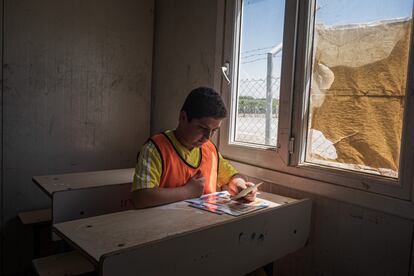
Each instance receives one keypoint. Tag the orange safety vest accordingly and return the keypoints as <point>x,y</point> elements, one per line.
<point>176,171</point>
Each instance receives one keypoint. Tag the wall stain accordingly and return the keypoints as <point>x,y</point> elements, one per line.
<point>117,81</point>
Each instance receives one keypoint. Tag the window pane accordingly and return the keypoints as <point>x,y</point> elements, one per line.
<point>259,62</point>
<point>360,59</point>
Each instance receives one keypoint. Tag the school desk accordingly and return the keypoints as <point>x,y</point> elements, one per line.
<point>85,194</point>
<point>176,239</point>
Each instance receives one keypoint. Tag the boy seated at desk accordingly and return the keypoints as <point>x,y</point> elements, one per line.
<point>185,159</point>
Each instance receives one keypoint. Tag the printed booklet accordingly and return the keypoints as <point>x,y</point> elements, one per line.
<point>221,202</point>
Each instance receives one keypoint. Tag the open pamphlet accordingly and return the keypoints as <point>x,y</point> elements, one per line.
<point>221,202</point>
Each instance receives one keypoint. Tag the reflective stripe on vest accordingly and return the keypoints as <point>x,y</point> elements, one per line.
<point>176,171</point>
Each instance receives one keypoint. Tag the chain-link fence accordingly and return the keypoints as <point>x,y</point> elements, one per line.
<point>252,105</point>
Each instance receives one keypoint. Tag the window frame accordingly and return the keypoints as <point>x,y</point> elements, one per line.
<point>294,93</point>
<point>265,157</point>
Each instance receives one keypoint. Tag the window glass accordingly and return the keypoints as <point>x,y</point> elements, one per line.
<point>256,87</point>
<point>358,84</point>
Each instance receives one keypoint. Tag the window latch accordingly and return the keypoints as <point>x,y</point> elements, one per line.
<point>225,71</point>
<point>291,144</point>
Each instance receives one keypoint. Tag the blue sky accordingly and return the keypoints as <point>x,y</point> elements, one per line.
<point>262,25</point>
<point>261,30</point>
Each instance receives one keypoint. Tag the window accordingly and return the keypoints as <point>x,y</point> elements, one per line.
<point>358,85</point>
<point>319,89</point>
<point>258,60</point>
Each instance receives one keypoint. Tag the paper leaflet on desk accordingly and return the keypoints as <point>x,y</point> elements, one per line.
<point>208,207</point>
<point>220,202</point>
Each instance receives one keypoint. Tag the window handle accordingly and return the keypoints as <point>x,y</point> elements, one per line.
<point>225,71</point>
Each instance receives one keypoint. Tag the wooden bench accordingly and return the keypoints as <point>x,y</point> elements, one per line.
<point>40,224</point>
<point>70,263</point>
<point>36,216</point>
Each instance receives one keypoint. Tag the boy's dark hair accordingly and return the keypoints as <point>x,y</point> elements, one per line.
<point>204,102</point>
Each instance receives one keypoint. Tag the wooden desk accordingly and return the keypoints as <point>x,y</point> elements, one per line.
<point>176,239</point>
<point>80,195</point>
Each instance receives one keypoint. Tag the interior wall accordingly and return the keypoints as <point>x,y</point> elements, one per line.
<point>345,239</point>
<point>184,56</point>
<point>77,77</point>
<point>1,141</point>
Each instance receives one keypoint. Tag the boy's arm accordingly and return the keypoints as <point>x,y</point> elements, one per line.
<point>233,181</point>
<point>150,197</point>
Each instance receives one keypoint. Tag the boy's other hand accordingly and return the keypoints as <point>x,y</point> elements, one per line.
<point>195,185</point>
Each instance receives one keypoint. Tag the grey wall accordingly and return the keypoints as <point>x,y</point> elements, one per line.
<point>345,239</point>
<point>348,240</point>
<point>184,51</point>
<point>76,97</point>
<point>1,143</point>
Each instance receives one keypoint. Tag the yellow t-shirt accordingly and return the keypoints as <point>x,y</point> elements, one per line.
<point>149,166</point>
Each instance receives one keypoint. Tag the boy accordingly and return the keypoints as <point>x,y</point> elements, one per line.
<point>183,163</point>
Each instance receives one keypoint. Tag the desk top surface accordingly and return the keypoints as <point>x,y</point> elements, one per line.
<point>100,235</point>
<point>71,181</point>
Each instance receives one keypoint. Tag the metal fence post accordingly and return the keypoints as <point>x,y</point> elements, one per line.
<point>269,92</point>
<point>269,97</point>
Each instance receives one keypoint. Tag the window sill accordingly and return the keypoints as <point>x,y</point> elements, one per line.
<point>390,205</point>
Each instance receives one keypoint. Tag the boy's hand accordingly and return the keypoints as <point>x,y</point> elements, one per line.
<point>195,185</point>
<point>252,195</point>
<point>237,184</point>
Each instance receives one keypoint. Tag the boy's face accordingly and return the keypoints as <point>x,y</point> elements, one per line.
<point>198,131</point>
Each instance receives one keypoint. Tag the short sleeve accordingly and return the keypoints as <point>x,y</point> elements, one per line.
<point>148,169</point>
<point>225,171</point>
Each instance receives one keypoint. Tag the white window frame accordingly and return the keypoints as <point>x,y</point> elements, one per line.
<point>288,156</point>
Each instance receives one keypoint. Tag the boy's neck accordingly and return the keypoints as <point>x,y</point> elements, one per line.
<point>178,135</point>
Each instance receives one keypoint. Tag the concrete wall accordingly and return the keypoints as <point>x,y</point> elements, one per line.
<point>1,143</point>
<point>184,56</point>
<point>76,97</point>
<point>346,239</point>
